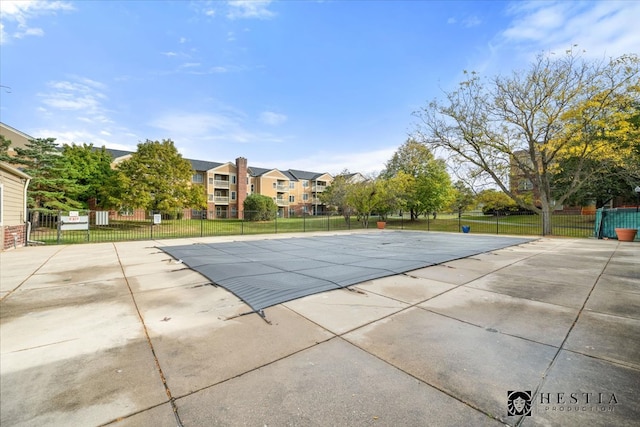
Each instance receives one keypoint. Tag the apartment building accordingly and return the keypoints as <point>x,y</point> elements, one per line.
<point>227,185</point>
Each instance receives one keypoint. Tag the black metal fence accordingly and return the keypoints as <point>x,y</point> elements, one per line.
<point>50,227</point>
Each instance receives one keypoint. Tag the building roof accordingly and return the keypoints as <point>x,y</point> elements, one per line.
<point>203,165</point>
<point>14,130</point>
<point>298,174</point>
<point>197,165</point>
<point>115,153</point>
<point>14,171</point>
<point>255,171</point>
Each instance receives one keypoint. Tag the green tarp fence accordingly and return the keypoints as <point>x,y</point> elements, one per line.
<point>607,220</point>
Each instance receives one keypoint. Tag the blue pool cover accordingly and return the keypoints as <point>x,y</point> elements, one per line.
<point>267,272</point>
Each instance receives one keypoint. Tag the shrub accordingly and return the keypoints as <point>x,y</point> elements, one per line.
<point>259,208</point>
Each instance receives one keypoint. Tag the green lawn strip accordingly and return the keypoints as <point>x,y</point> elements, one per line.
<point>563,225</point>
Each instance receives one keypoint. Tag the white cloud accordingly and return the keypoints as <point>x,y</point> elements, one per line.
<point>16,14</point>
<point>468,22</point>
<point>248,9</point>
<point>204,131</point>
<point>272,119</point>
<point>602,29</point>
<point>471,21</point>
<point>169,54</point>
<point>182,40</point>
<point>29,32</point>
<point>78,94</point>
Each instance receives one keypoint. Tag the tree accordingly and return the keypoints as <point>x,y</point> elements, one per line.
<point>607,180</point>
<point>4,150</point>
<point>258,207</point>
<point>391,193</point>
<point>432,184</point>
<point>378,195</point>
<point>362,196</point>
<point>562,106</point>
<point>463,198</point>
<point>91,169</point>
<point>48,188</point>
<point>335,195</point>
<point>496,202</point>
<point>608,177</point>
<point>157,178</point>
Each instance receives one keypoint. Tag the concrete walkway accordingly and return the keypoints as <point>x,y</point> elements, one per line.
<point>120,334</point>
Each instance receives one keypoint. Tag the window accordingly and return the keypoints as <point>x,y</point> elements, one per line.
<point>252,188</point>
<point>125,211</point>
<point>305,197</point>
<point>275,185</point>
<point>525,184</point>
<point>233,179</point>
<point>292,185</point>
<point>210,181</point>
<point>292,199</point>
<point>197,178</point>
<point>233,195</point>
<point>305,183</point>
<point>211,197</point>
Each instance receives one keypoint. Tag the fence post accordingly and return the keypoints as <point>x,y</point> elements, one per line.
<point>276,222</point>
<point>328,222</point>
<point>202,214</point>
<point>459,221</point>
<point>59,226</point>
<point>151,225</point>
<point>304,222</point>
<point>428,224</point>
<point>497,222</point>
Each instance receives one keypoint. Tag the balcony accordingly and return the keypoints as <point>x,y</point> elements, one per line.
<point>282,202</point>
<point>221,199</point>
<point>282,187</point>
<point>318,187</point>
<point>219,183</point>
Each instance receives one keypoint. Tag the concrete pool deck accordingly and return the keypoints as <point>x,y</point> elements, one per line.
<point>122,334</point>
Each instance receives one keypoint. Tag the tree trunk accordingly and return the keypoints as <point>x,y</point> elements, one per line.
<point>547,210</point>
<point>365,221</point>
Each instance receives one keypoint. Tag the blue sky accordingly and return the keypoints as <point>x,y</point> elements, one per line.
<point>313,85</point>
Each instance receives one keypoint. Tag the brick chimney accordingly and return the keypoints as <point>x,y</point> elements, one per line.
<point>241,179</point>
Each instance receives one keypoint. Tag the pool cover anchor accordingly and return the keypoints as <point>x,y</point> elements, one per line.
<point>258,312</point>
<point>264,316</point>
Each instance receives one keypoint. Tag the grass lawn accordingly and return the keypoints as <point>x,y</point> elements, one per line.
<point>563,225</point>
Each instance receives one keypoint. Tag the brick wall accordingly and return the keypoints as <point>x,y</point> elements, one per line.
<point>9,241</point>
<point>241,171</point>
